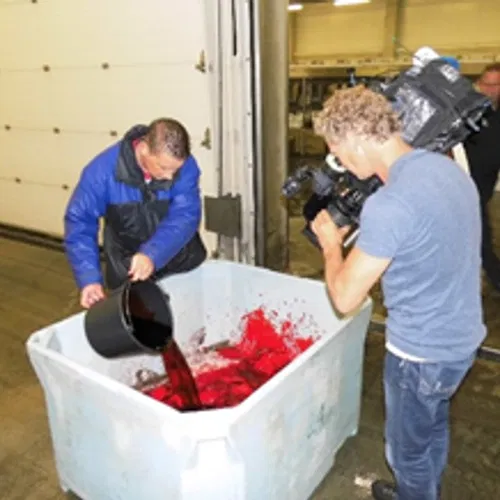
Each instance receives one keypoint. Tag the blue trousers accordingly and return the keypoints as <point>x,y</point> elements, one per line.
<point>417,401</point>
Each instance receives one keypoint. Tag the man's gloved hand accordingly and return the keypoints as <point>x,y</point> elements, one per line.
<point>91,294</point>
<point>141,267</point>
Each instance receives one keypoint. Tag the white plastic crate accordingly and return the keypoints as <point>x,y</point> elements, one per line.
<point>113,443</point>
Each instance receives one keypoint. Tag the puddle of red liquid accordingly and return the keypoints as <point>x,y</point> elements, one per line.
<point>263,351</point>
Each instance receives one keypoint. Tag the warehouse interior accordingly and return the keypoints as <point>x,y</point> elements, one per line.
<point>74,76</point>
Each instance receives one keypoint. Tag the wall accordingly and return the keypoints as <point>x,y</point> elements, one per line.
<point>453,25</point>
<point>323,36</point>
<point>323,30</point>
<point>109,67</point>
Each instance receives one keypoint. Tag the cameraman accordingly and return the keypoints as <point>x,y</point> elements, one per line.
<point>421,233</point>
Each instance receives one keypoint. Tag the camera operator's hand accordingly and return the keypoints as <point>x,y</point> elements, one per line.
<point>328,234</point>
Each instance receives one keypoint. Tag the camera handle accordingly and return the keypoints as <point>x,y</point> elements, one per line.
<point>308,233</point>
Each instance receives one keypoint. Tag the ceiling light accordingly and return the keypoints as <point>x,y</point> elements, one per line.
<point>295,6</point>
<point>341,3</point>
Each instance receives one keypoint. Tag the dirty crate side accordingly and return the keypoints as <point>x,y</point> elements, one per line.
<point>110,443</point>
<point>98,439</point>
<point>288,441</point>
<point>284,437</point>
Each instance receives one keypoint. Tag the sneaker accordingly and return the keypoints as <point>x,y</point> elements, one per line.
<point>383,490</point>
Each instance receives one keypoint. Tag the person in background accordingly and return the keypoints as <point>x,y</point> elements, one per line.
<point>146,188</point>
<point>457,153</point>
<point>420,233</point>
<point>483,156</point>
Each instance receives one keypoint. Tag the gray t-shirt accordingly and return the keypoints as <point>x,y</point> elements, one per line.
<point>426,219</point>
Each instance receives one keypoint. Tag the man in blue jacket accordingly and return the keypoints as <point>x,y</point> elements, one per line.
<point>146,187</point>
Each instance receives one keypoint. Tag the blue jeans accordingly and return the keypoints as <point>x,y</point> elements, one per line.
<point>417,401</point>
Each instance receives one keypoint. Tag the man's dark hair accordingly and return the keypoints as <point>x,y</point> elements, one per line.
<point>166,135</point>
<point>490,68</point>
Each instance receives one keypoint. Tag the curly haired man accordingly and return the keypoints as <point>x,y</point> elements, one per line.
<point>421,234</point>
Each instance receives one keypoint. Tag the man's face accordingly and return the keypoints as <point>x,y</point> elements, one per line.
<point>352,154</point>
<point>162,166</point>
<point>489,85</point>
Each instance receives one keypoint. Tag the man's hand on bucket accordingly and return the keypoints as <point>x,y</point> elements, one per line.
<point>141,267</point>
<point>91,294</point>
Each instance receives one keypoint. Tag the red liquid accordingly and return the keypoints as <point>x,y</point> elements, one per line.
<point>261,353</point>
<point>181,380</point>
<point>153,333</point>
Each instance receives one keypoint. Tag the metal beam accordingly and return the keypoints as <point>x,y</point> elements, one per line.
<point>392,25</point>
<point>292,37</point>
<point>472,63</point>
<point>273,55</point>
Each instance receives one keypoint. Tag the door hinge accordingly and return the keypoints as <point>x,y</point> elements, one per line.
<point>207,141</point>
<point>201,65</point>
<point>223,215</point>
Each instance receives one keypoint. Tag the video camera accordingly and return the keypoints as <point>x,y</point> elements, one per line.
<point>438,109</point>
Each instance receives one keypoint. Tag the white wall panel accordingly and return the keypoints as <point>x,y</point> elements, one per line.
<point>97,100</point>
<point>43,157</point>
<point>323,29</point>
<point>33,206</point>
<point>151,53</point>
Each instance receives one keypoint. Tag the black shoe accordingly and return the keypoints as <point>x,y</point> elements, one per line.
<point>383,490</point>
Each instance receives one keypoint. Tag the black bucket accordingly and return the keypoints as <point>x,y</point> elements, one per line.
<point>135,318</point>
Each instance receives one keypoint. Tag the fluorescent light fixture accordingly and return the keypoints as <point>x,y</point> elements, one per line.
<point>341,3</point>
<point>295,6</point>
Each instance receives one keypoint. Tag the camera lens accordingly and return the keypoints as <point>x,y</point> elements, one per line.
<point>291,188</point>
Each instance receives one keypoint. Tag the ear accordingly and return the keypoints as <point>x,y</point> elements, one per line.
<point>143,148</point>
<point>356,144</point>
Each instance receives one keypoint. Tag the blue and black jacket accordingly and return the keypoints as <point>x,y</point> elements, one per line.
<point>159,218</point>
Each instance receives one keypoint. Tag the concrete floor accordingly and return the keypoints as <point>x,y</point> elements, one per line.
<point>36,289</point>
